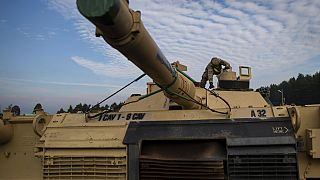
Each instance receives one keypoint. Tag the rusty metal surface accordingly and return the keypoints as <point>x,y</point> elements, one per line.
<point>153,169</point>
<point>203,149</point>
<point>208,129</point>
<point>182,160</point>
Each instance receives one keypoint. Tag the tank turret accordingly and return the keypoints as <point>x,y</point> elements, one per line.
<point>122,28</point>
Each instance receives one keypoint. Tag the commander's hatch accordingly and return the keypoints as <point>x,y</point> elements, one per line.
<point>228,80</point>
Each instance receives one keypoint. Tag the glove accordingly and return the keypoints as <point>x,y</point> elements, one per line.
<point>211,85</point>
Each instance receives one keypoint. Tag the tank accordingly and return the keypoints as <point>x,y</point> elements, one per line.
<point>19,135</point>
<point>177,130</point>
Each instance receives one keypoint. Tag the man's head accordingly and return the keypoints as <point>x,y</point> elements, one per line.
<point>214,58</point>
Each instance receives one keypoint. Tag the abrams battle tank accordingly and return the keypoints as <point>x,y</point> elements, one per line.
<point>176,131</point>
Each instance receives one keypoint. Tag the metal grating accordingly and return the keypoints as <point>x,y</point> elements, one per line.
<point>84,167</point>
<point>263,167</point>
<point>151,168</point>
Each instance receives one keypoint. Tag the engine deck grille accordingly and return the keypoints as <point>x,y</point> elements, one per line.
<point>180,169</point>
<point>84,167</point>
<point>262,167</point>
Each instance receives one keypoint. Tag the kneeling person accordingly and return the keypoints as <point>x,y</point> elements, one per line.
<point>213,68</point>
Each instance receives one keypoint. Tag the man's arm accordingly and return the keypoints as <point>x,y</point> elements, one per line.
<point>225,64</point>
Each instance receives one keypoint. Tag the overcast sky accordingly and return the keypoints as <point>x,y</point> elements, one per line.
<point>49,54</point>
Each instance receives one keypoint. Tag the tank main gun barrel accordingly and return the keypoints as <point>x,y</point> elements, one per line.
<point>122,28</point>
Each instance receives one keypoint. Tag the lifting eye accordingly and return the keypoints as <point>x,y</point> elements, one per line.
<point>39,124</point>
<point>295,118</point>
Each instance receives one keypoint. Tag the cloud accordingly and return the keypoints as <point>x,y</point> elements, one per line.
<point>12,80</point>
<point>267,35</point>
<point>108,69</point>
<point>68,9</point>
<point>44,34</point>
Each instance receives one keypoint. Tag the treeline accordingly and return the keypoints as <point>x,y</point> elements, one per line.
<point>82,108</point>
<point>305,89</point>
<point>15,109</point>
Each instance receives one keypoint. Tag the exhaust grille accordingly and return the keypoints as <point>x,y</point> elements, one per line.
<point>201,159</point>
<point>262,167</point>
<point>84,167</point>
<point>180,169</point>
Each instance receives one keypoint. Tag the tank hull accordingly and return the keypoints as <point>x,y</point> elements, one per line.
<point>203,147</point>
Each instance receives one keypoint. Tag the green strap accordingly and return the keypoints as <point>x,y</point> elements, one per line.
<point>166,88</point>
<point>185,75</point>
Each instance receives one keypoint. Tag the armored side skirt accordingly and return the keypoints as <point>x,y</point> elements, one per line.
<point>212,149</point>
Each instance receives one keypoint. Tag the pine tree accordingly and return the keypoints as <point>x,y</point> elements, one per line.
<point>70,110</point>
<point>37,107</point>
<point>61,111</point>
<point>78,108</point>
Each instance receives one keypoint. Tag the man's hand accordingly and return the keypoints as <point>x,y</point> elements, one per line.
<point>211,85</point>
<point>226,68</point>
